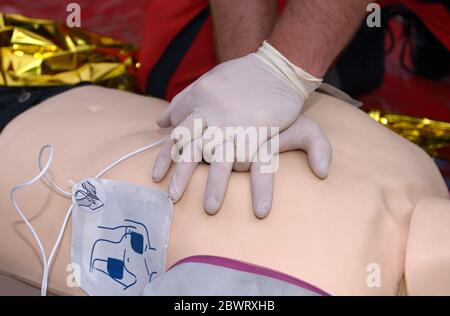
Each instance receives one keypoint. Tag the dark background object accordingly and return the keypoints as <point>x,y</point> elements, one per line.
<point>361,66</point>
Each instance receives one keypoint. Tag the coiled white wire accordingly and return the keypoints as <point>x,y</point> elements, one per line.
<point>43,175</point>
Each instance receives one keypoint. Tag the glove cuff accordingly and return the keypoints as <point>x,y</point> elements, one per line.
<point>303,82</point>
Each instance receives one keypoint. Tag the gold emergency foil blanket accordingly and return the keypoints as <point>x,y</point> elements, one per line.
<point>36,52</point>
<point>432,136</point>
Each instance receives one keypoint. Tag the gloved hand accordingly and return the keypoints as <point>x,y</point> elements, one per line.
<point>261,90</point>
<point>305,135</point>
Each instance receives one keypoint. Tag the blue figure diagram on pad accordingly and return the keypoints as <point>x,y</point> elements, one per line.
<point>122,250</point>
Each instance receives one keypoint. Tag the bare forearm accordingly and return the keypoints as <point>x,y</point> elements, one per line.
<point>240,27</point>
<point>311,33</point>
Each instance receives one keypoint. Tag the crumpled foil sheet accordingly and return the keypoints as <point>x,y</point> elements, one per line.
<point>432,136</point>
<point>37,52</point>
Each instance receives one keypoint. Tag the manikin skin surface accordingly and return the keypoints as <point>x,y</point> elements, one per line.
<point>427,269</point>
<point>325,232</point>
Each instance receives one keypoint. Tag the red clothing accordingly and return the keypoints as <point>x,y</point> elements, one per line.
<point>165,19</point>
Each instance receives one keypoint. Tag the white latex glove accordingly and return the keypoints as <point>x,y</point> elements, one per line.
<point>261,90</point>
<point>306,135</point>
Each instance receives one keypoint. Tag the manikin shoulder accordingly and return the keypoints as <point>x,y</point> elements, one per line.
<point>360,142</point>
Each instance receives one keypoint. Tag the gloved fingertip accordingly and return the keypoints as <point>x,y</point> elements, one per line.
<point>163,122</point>
<point>321,168</point>
<point>164,119</point>
<point>157,176</point>
<point>174,192</point>
<point>211,205</point>
<point>159,169</point>
<point>211,212</point>
<point>261,211</point>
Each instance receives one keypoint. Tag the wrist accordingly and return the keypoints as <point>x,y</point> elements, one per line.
<point>316,64</point>
<point>240,27</point>
<point>299,79</point>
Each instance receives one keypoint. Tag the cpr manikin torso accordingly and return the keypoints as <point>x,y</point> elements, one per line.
<point>331,233</point>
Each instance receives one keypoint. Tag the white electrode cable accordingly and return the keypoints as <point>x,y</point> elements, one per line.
<point>16,206</point>
<point>129,155</point>
<point>49,181</point>
<point>56,188</point>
